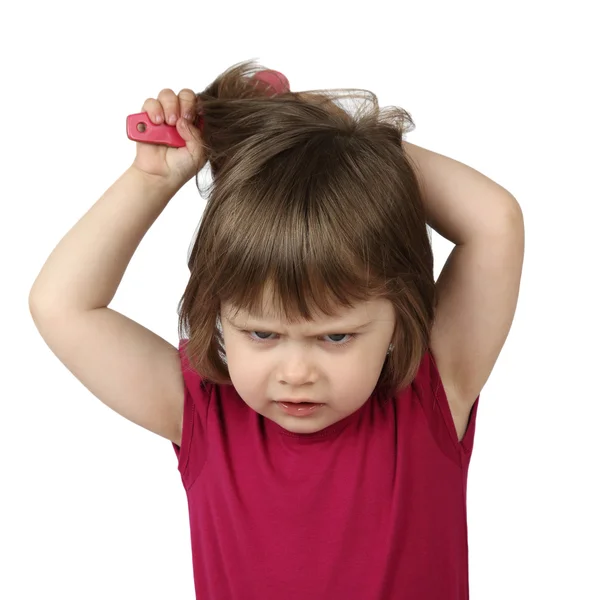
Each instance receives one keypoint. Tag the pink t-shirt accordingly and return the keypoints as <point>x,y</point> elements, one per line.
<point>371,508</point>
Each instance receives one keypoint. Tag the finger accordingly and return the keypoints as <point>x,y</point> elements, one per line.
<point>193,139</point>
<point>170,105</point>
<point>189,132</point>
<point>193,143</point>
<point>154,109</point>
<point>187,104</point>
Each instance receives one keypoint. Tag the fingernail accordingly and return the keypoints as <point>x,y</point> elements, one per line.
<point>172,119</point>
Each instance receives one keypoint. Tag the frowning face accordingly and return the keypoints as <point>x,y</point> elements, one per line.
<point>335,362</point>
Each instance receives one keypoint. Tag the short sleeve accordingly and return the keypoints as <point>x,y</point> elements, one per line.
<point>191,455</point>
<point>430,391</point>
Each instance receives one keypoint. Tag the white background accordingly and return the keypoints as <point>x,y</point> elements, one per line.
<point>92,505</point>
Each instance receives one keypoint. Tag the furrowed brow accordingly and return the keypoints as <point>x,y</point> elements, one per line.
<point>257,325</point>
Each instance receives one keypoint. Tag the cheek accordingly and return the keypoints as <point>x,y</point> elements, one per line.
<point>245,369</point>
<point>356,376</point>
<point>235,348</point>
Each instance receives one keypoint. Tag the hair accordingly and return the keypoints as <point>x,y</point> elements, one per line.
<point>317,204</point>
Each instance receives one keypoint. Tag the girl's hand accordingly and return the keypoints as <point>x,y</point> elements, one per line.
<point>175,166</point>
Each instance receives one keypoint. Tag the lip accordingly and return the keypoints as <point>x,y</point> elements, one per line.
<point>294,408</point>
<point>297,400</point>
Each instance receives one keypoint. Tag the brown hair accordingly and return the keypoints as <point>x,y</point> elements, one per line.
<point>319,204</point>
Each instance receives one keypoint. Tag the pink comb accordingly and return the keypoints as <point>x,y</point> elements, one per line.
<point>141,129</point>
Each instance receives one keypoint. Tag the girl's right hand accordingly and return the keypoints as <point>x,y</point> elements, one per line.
<point>175,166</point>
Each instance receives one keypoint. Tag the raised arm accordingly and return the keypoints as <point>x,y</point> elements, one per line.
<point>130,369</point>
<point>478,287</point>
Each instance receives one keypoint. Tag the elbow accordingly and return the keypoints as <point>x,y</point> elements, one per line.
<point>515,217</point>
<point>40,304</point>
<point>510,217</point>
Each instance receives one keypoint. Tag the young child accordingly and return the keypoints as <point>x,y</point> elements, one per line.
<point>323,398</point>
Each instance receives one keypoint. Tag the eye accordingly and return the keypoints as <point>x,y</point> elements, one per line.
<point>260,339</point>
<point>350,336</point>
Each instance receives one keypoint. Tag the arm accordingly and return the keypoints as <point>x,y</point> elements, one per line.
<point>129,368</point>
<point>479,284</point>
<point>85,269</point>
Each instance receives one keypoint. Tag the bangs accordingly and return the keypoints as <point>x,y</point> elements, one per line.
<point>305,296</point>
<point>285,245</point>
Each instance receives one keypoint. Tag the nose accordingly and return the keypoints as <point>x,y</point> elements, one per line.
<point>295,367</point>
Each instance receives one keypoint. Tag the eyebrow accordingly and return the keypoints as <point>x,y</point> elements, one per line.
<point>270,329</point>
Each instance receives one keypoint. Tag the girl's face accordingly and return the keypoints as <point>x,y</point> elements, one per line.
<point>333,361</point>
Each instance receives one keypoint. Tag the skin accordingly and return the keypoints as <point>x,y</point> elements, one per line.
<point>307,360</point>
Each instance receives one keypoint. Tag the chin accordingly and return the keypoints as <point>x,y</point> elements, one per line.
<point>306,424</point>
<point>295,425</point>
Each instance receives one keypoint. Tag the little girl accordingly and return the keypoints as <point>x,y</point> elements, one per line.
<point>323,398</point>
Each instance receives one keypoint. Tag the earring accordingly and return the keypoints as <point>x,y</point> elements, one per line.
<point>390,348</point>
